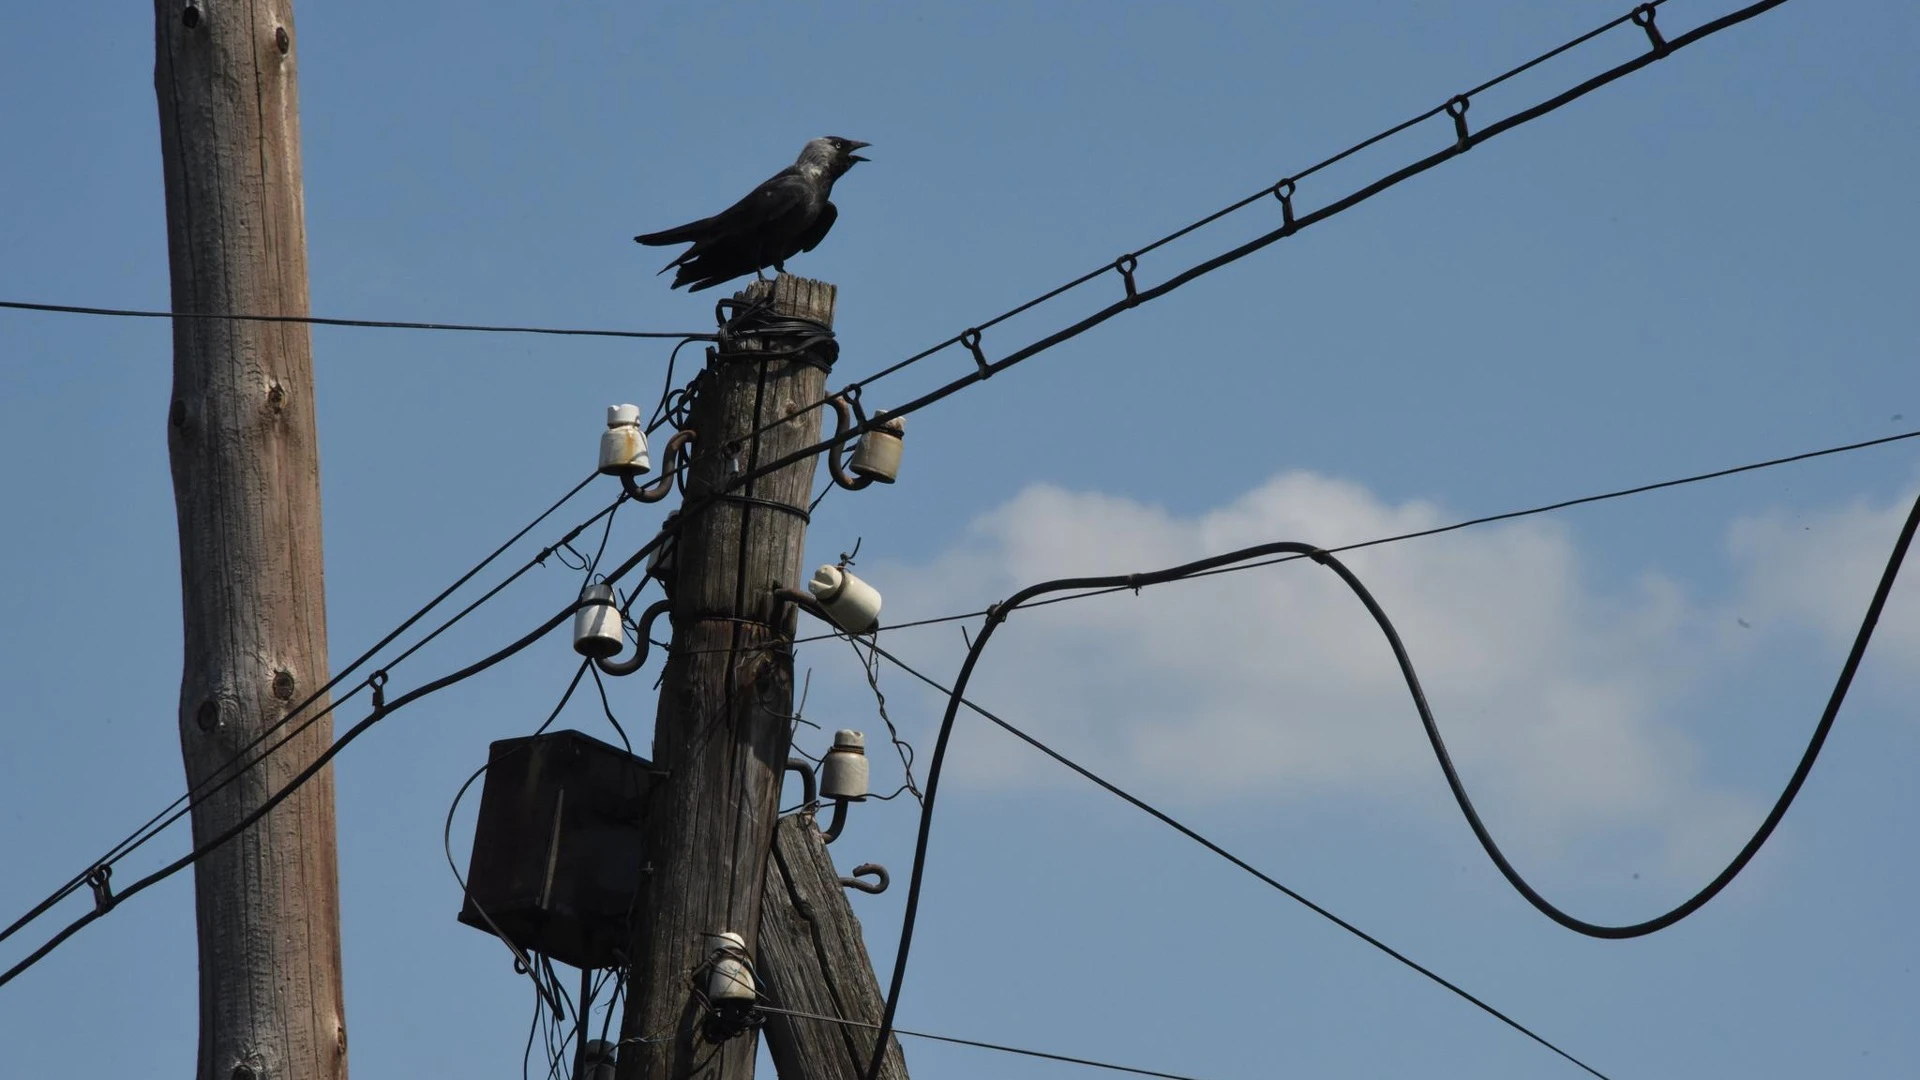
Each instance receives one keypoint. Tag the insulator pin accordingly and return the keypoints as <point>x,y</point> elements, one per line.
<point>623,446</point>
<point>596,627</point>
<point>877,457</point>
<point>851,603</point>
<point>843,775</point>
<point>729,975</point>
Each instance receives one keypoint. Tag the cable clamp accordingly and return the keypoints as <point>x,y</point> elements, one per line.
<point>378,681</point>
<point>971,339</point>
<point>100,880</point>
<point>1127,264</point>
<point>1643,18</point>
<point>1457,108</point>
<point>1284,192</point>
<point>1320,555</point>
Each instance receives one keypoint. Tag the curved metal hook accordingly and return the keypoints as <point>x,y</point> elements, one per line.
<point>663,486</point>
<point>809,791</point>
<point>868,870</point>
<point>610,666</point>
<point>843,413</point>
<point>836,823</point>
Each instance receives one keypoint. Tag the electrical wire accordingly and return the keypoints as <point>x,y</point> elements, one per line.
<point>227,772</point>
<point>1283,190</point>
<point>1253,557</point>
<point>383,324</point>
<point>1001,1047</point>
<point>382,709</point>
<point>956,697</point>
<point>1467,523</point>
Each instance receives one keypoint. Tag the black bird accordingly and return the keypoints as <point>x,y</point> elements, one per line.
<point>779,219</point>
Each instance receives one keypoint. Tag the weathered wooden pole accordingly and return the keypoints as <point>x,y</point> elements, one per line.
<point>813,960</point>
<point>246,479</point>
<point>722,728</point>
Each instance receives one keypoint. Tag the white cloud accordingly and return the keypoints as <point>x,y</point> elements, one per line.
<point>1557,697</point>
<point>1818,570</point>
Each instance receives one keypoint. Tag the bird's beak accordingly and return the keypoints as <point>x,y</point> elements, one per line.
<point>856,144</point>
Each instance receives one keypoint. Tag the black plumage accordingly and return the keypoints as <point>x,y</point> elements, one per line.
<point>788,214</point>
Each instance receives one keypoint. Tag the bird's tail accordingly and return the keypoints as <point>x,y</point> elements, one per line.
<point>692,230</point>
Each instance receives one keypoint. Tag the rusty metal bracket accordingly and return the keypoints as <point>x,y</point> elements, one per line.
<point>845,409</point>
<point>632,663</point>
<point>669,468</point>
<point>868,870</point>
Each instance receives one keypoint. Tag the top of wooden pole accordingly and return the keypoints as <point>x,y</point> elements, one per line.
<point>793,296</point>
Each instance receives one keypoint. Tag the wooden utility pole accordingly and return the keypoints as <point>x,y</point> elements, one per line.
<point>246,480</point>
<point>813,960</point>
<point>722,729</point>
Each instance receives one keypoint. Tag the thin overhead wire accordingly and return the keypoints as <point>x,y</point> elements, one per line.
<point>1468,523</point>
<point>1283,191</point>
<point>999,1047</point>
<point>381,324</point>
<point>382,708</point>
<point>956,696</point>
<point>1254,557</point>
<point>232,769</point>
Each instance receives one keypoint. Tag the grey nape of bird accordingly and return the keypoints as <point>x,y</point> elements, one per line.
<point>788,214</point>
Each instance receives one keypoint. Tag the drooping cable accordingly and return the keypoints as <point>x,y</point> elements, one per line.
<point>380,711</point>
<point>232,769</point>
<point>957,695</point>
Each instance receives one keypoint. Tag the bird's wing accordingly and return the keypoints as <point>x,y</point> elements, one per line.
<point>780,194</point>
<point>818,230</point>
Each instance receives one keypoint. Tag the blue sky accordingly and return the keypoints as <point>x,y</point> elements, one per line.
<point>1706,263</point>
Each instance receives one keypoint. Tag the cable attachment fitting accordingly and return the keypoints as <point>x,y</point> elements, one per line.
<point>1127,264</point>
<point>672,460</point>
<point>1457,108</point>
<point>1320,555</point>
<point>971,339</point>
<point>876,457</point>
<point>644,633</point>
<point>1284,192</point>
<point>1643,18</point>
<point>378,682</point>
<point>868,870</point>
<point>100,880</point>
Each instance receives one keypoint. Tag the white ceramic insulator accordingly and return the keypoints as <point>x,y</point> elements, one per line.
<point>878,453</point>
<point>843,773</point>
<point>623,446</point>
<point>729,979</point>
<point>596,627</point>
<point>849,602</point>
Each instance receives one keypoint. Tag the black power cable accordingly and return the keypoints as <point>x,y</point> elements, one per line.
<point>382,324</point>
<point>228,772</point>
<point>1283,191</point>
<point>957,694</point>
<point>1249,558</point>
<point>1001,1047</point>
<point>381,709</point>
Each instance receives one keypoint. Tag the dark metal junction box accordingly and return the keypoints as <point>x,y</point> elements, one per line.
<point>557,852</point>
